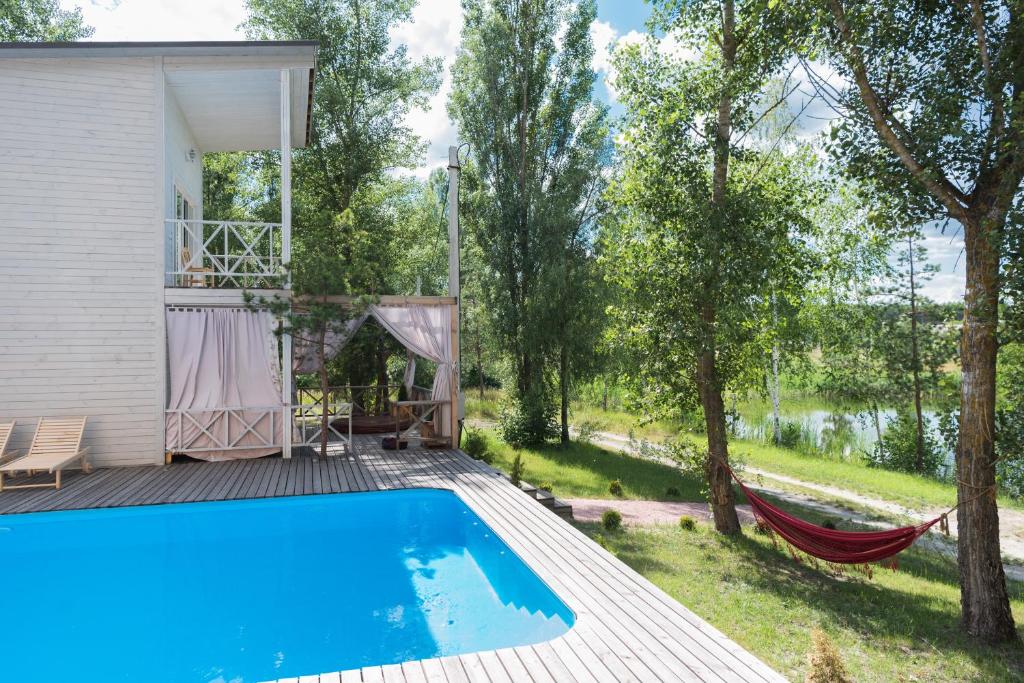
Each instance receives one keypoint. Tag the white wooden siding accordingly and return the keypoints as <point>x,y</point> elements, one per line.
<point>82,250</point>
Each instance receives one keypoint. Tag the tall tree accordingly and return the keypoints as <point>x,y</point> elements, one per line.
<point>522,97</point>
<point>935,108</point>
<point>32,20</point>
<point>709,228</point>
<point>365,88</point>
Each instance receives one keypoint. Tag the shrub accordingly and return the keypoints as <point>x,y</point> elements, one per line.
<point>546,486</point>
<point>474,443</point>
<point>824,664</point>
<point>585,430</point>
<point>528,422</point>
<point>615,488</point>
<point>611,520</point>
<point>518,469</point>
<point>898,448</point>
<point>672,492</point>
<point>687,523</point>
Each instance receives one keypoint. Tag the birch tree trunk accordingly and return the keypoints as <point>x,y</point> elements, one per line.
<point>775,390</point>
<point>915,360</point>
<point>723,498</point>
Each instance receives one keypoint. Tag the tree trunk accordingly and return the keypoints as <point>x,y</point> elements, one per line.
<point>985,605</point>
<point>563,382</point>
<point>480,363</point>
<point>723,498</point>
<point>604,396</point>
<point>383,396</point>
<point>876,415</point>
<point>776,388</point>
<point>325,419</point>
<point>915,361</point>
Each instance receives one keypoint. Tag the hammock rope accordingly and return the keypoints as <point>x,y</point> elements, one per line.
<point>833,545</point>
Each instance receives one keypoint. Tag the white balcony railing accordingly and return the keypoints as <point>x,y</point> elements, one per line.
<point>202,430</point>
<point>226,254</point>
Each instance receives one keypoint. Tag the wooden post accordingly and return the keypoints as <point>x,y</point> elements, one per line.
<point>286,254</point>
<point>455,290</point>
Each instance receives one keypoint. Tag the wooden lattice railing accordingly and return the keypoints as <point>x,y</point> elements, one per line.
<point>226,254</point>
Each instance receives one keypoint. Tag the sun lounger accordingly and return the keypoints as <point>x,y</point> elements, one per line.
<point>6,429</point>
<point>57,442</point>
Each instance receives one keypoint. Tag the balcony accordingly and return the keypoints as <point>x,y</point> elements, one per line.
<point>227,254</point>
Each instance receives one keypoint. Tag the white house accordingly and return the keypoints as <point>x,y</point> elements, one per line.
<point>101,148</point>
<point>120,300</point>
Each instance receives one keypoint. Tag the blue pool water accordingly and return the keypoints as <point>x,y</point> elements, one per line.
<point>246,591</point>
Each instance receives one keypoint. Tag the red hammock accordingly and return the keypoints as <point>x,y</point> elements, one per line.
<point>830,545</point>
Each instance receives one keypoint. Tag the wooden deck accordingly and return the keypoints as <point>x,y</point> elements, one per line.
<point>626,629</point>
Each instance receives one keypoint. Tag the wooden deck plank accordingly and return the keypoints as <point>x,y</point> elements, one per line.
<point>626,629</point>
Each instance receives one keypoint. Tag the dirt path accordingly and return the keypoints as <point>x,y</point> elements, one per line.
<point>637,512</point>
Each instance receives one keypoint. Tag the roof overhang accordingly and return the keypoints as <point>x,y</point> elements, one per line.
<point>229,92</point>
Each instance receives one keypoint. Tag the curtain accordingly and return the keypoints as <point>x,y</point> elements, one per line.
<point>305,352</point>
<point>409,376</point>
<point>426,331</point>
<point>218,359</point>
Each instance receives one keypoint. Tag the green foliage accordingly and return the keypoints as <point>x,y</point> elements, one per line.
<point>528,422</point>
<point>517,470</point>
<point>671,492</point>
<point>475,445</point>
<point>687,523</point>
<point>709,232</point>
<point>348,209</point>
<point>522,98</point>
<point>897,449</point>
<point>40,20</point>
<point>1010,420</point>
<point>615,488</point>
<point>546,486</point>
<point>611,520</point>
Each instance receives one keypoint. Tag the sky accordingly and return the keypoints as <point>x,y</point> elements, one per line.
<point>434,31</point>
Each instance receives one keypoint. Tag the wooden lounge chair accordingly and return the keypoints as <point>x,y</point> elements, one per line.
<point>6,429</point>
<point>57,442</point>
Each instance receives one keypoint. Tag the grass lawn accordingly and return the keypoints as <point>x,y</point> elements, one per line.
<point>909,490</point>
<point>896,626</point>
<point>906,489</point>
<point>585,471</point>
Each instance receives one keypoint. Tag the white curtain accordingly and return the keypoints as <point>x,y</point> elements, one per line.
<point>217,359</point>
<point>409,377</point>
<point>305,352</point>
<point>426,331</point>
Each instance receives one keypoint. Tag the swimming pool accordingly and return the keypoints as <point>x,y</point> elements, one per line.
<point>245,591</point>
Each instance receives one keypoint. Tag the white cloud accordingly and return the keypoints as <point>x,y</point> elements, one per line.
<point>603,35</point>
<point>136,20</point>
<point>607,40</point>
<point>434,31</point>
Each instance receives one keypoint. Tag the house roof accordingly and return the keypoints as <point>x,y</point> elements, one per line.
<point>228,91</point>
